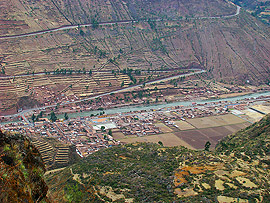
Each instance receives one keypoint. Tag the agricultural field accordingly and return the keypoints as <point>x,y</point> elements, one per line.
<point>198,138</point>
<point>163,127</point>
<point>262,108</point>
<point>251,115</point>
<point>193,133</point>
<point>183,125</point>
<point>167,139</point>
<point>214,121</point>
<point>54,153</point>
<point>118,135</point>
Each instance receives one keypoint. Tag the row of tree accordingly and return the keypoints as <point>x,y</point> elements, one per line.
<point>53,117</point>
<point>69,71</point>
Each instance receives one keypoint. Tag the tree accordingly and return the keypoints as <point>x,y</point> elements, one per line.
<point>160,143</point>
<point>39,115</point>
<point>53,117</point>
<point>82,32</point>
<point>207,146</point>
<point>123,83</point>
<point>103,128</point>
<point>74,193</point>
<point>66,116</point>
<point>33,118</point>
<point>110,132</point>
<point>95,23</point>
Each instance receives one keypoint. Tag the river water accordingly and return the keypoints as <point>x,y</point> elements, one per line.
<point>163,105</point>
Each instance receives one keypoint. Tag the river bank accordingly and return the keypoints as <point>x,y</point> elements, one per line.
<point>158,106</point>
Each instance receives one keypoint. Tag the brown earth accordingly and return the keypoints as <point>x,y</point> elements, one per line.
<point>198,138</point>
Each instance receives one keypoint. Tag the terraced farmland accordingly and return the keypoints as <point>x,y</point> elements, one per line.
<point>62,155</point>
<point>54,153</point>
<point>46,150</point>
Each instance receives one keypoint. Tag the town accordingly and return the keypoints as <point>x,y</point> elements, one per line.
<point>190,125</point>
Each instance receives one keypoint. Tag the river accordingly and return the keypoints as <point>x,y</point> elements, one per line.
<point>163,105</point>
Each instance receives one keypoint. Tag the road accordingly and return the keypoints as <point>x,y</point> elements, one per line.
<point>68,27</point>
<point>218,17</point>
<point>104,94</point>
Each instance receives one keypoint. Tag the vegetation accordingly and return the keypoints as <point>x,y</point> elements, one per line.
<point>145,172</point>
<point>21,170</point>
<point>259,9</point>
<point>66,116</point>
<point>53,117</point>
<point>207,146</point>
<point>250,144</point>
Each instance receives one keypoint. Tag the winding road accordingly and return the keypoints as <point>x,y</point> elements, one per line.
<point>68,27</point>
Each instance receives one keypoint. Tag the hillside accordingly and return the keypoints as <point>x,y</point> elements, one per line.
<point>258,8</point>
<point>54,153</point>
<point>229,43</point>
<point>153,173</point>
<point>227,47</point>
<point>250,144</point>
<point>29,16</point>
<point>21,170</point>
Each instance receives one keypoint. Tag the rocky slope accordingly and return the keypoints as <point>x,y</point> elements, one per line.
<point>21,170</point>
<point>237,170</point>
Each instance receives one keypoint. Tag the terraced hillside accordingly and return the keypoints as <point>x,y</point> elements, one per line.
<point>232,46</point>
<point>236,171</point>
<point>54,153</point>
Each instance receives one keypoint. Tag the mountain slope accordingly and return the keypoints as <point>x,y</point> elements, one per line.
<point>152,173</point>
<point>28,16</point>
<point>250,144</point>
<point>235,49</point>
<point>21,170</point>
<point>258,8</point>
<point>232,46</point>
